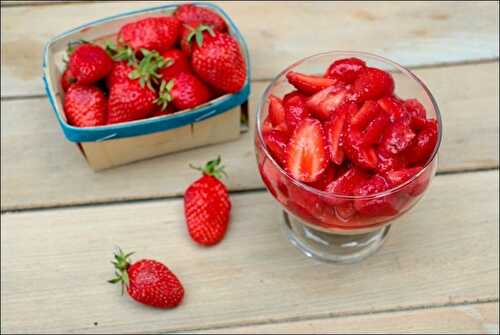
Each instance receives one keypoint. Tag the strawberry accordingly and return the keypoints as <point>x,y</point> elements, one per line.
<point>306,154</point>
<point>397,177</point>
<point>148,282</point>
<point>375,129</point>
<point>185,91</point>
<point>276,110</point>
<point>292,94</point>
<point>218,60</point>
<point>325,179</point>
<point>175,63</point>
<point>334,130</point>
<point>119,73</point>
<point>276,141</point>
<point>153,33</point>
<point>417,113</point>
<point>360,154</point>
<point>326,102</point>
<point>396,138</point>
<point>369,111</point>
<point>373,84</point>
<point>388,162</point>
<point>295,111</point>
<point>345,70</point>
<point>347,182</point>
<point>67,79</point>
<point>207,205</point>
<point>166,111</point>
<point>85,106</point>
<point>193,15</point>
<point>393,107</point>
<point>422,146</point>
<point>89,63</point>
<point>380,206</point>
<point>308,84</point>
<point>129,101</point>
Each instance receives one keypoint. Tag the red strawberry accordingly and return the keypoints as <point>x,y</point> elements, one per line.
<point>85,106</point>
<point>119,73</point>
<point>325,179</point>
<point>309,84</point>
<point>166,111</point>
<point>396,138</point>
<point>176,62</point>
<point>185,91</point>
<point>147,281</point>
<point>375,129</point>
<point>369,111</point>
<point>292,94</point>
<point>393,108</point>
<point>192,15</point>
<point>334,130</point>
<point>306,153</point>
<point>185,39</point>
<point>207,205</point>
<point>276,110</point>
<point>372,84</point>
<point>417,113</point>
<point>326,102</point>
<point>389,162</point>
<point>381,206</point>
<point>89,63</point>
<point>362,155</point>
<point>347,182</point>
<point>400,176</point>
<point>152,33</point>
<point>421,148</point>
<point>67,79</point>
<point>129,101</point>
<point>346,69</point>
<point>276,141</point>
<point>218,60</point>
<point>295,111</point>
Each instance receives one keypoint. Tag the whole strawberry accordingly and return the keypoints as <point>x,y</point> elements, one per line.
<point>67,79</point>
<point>184,91</point>
<point>89,63</point>
<point>85,106</point>
<point>175,63</point>
<point>194,15</point>
<point>119,73</point>
<point>147,281</point>
<point>217,59</point>
<point>207,206</point>
<point>152,33</point>
<point>129,101</point>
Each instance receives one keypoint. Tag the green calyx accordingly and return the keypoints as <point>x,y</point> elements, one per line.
<point>122,53</point>
<point>72,45</point>
<point>121,263</point>
<point>164,95</point>
<point>147,70</point>
<point>198,33</point>
<point>212,168</point>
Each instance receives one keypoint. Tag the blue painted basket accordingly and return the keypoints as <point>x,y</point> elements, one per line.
<point>105,29</point>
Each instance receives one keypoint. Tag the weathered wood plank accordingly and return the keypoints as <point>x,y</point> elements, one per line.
<point>427,33</point>
<point>54,264</point>
<point>467,319</point>
<point>54,173</point>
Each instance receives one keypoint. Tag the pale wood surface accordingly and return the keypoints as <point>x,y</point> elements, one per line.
<point>54,173</point>
<point>279,34</point>
<point>444,251</point>
<point>466,319</point>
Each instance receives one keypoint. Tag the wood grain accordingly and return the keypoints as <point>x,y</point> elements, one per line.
<point>466,319</point>
<point>426,33</point>
<point>53,172</point>
<point>54,264</point>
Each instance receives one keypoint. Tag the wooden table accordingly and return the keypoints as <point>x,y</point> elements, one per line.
<point>437,272</point>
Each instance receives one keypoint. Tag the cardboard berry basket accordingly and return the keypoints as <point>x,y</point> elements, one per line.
<point>216,121</point>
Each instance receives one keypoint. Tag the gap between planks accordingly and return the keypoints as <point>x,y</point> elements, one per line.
<point>138,200</point>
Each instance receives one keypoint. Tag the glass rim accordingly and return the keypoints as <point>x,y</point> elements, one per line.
<point>360,54</point>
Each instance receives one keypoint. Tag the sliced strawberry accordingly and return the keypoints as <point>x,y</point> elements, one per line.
<point>361,155</point>
<point>292,94</point>
<point>373,84</point>
<point>267,125</point>
<point>276,110</point>
<point>326,102</point>
<point>417,113</point>
<point>346,69</point>
<point>306,152</point>
<point>381,206</point>
<point>347,182</point>
<point>393,106</point>
<point>325,179</point>
<point>388,162</point>
<point>400,176</point>
<point>295,111</point>
<point>276,142</point>
<point>375,129</point>
<point>309,84</point>
<point>369,111</point>
<point>421,148</point>
<point>334,130</point>
<point>396,138</point>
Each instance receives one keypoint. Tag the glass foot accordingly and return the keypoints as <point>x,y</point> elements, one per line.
<point>335,248</point>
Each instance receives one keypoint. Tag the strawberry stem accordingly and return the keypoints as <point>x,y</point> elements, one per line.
<point>212,168</point>
<point>121,264</point>
<point>164,95</point>
<point>147,70</point>
<point>198,33</point>
<point>124,53</point>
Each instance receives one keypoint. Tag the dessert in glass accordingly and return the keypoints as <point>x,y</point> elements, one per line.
<point>347,143</point>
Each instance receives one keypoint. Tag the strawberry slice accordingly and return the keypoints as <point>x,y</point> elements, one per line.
<point>362,155</point>
<point>295,111</point>
<point>347,182</point>
<point>373,84</point>
<point>276,142</point>
<point>326,102</point>
<point>393,106</point>
<point>375,129</point>
<point>309,84</point>
<point>334,130</point>
<point>325,179</point>
<point>267,125</point>
<point>288,96</point>
<point>366,113</point>
<point>346,69</point>
<point>306,152</point>
<point>382,206</point>
<point>420,150</point>
<point>417,113</point>
<point>276,110</point>
<point>400,176</point>
<point>396,138</point>
<point>390,162</point>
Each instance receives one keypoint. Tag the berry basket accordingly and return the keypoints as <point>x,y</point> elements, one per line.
<point>216,121</point>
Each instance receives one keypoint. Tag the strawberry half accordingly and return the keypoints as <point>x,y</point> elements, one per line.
<point>400,176</point>
<point>347,182</point>
<point>345,70</point>
<point>306,153</point>
<point>397,138</point>
<point>373,84</point>
<point>421,148</point>
<point>325,179</point>
<point>334,130</point>
<point>381,206</point>
<point>369,111</point>
<point>276,141</point>
<point>309,84</point>
<point>295,111</point>
<point>276,110</point>
<point>326,102</point>
<point>375,129</point>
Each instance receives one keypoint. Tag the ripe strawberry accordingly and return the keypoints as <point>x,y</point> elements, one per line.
<point>347,182</point>
<point>417,113</point>
<point>152,33</point>
<point>325,179</point>
<point>396,138</point>
<point>380,206</point>
<point>306,152</point>
<point>397,177</point>
<point>295,112</point>
<point>175,63</point>
<point>67,79</point>
<point>119,73</point>
<point>346,69</point>
<point>185,91</point>
<point>326,102</point>
<point>375,129</point>
<point>334,130</point>
<point>276,141</point>
<point>308,84</point>
<point>129,101</point>
<point>393,107</point>
<point>360,154</point>
<point>388,162</point>
<point>194,15</point>
<point>89,63</point>
<point>147,281</point>
<point>217,59</point>
<point>276,110</point>
<point>207,205</point>
<point>373,84</point>
<point>421,148</point>
<point>85,106</point>
<point>369,111</point>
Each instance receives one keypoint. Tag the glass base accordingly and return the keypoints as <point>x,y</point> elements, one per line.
<point>335,248</point>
